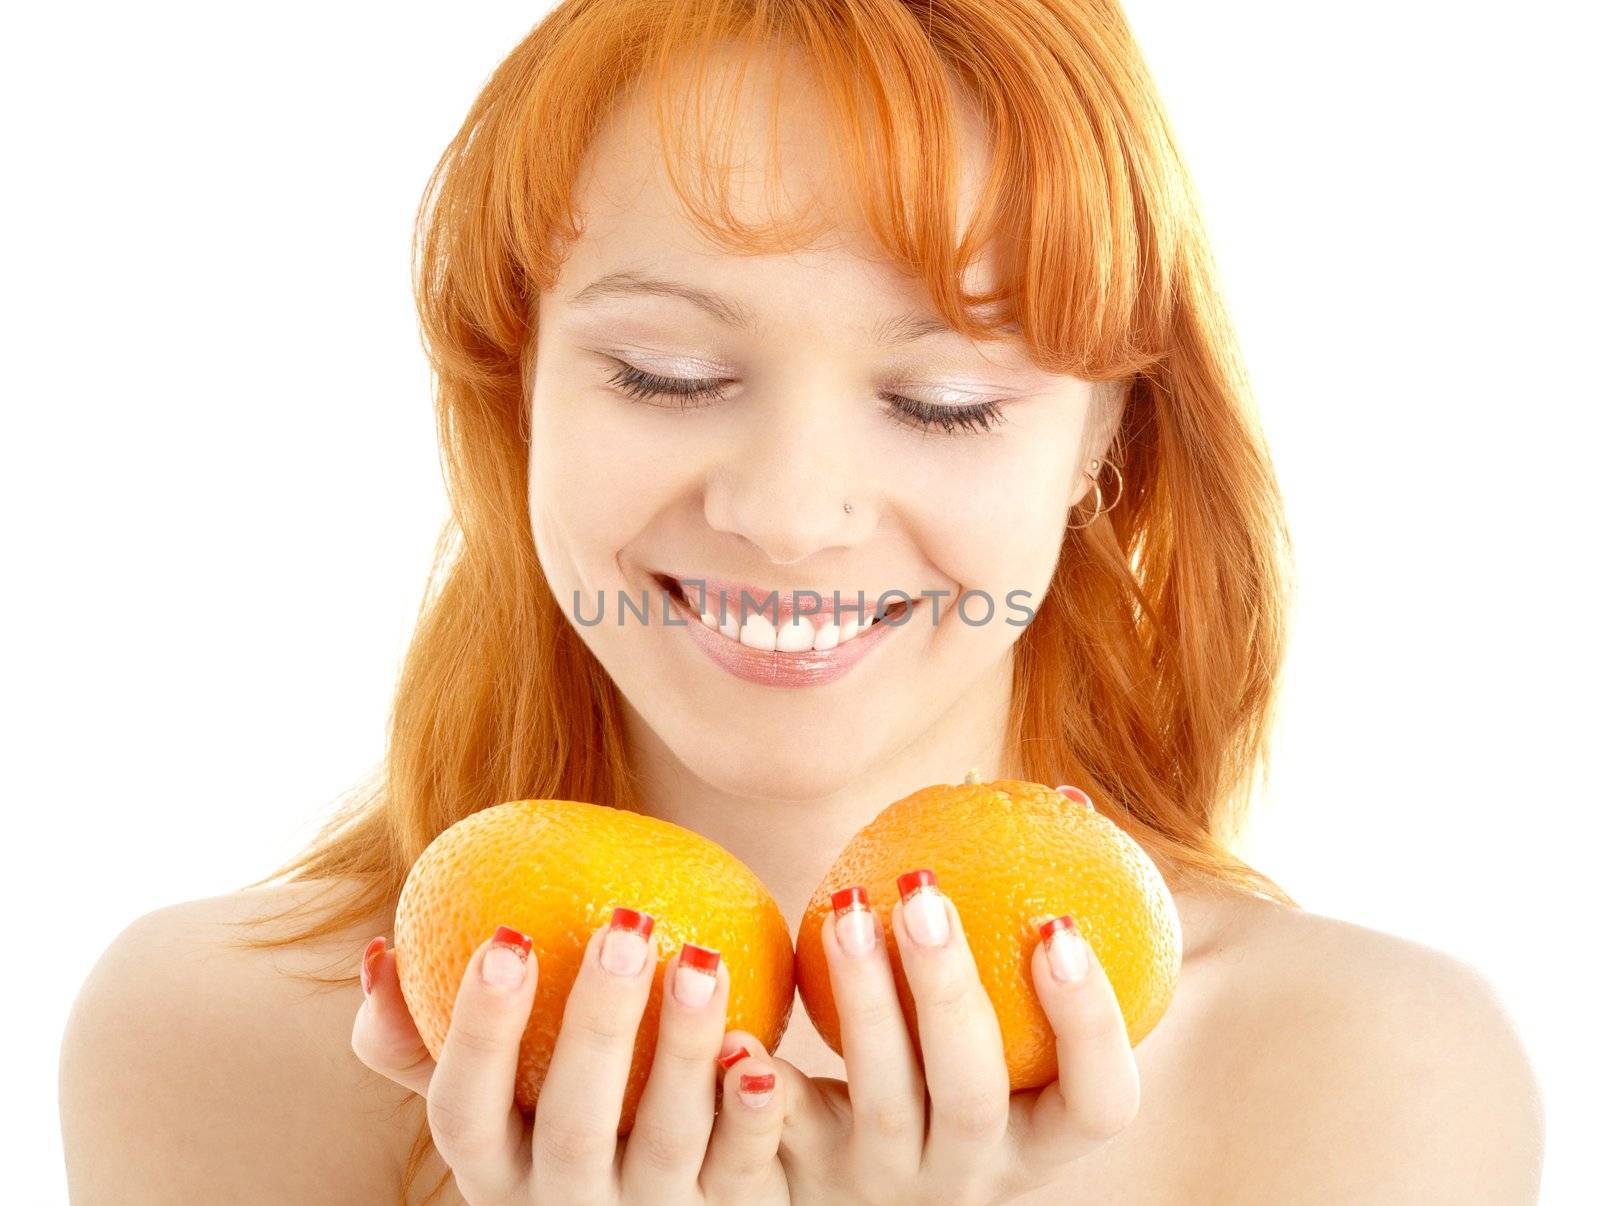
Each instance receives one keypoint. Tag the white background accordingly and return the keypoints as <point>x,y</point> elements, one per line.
<point>222,490</point>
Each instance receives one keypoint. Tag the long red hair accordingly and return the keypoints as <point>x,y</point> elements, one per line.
<point>1148,675</point>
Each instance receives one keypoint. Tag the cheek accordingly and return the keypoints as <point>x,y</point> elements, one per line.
<point>596,479</point>
<point>1001,522</point>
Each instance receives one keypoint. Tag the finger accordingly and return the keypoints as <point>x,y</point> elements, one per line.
<point>816,1109</point>
<point>471,1109</point>
<point>741,1164</point>
<point>963,1056</point>
<point>1096,1094</point>
<point>667,1145</point>
<point>580,1102</point>
<point>885,1083</point>
<point>384,1036</point>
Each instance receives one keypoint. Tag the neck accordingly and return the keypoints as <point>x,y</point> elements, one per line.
<point>791,842</point>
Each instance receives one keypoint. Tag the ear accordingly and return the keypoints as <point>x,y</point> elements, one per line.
<point>1108,402</point>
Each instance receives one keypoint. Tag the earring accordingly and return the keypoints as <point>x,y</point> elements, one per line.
<point>1100,504</point>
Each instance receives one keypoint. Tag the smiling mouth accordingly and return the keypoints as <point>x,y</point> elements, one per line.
<point>815,630</point>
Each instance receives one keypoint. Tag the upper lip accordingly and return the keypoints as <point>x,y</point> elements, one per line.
<point>816,604</point>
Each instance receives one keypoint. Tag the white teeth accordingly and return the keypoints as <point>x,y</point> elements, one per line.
<point>800,634</point>
<point>796,635</point>
<point>758,633</point>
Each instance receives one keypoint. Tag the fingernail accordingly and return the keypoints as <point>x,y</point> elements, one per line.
<point>756,1088</point>
<point>1065,950</point>
<point>727,1061</point>
<point>852,921</point>
<point>926,920</point>
<point>627,942</point>
<point>1076,794</point>
<point>696,978</point>
<point>505,963</point>
<point>373,953</point>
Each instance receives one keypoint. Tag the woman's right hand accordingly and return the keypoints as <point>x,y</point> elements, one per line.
<point>681,1149</point>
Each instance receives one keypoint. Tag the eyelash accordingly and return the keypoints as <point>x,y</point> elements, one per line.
<point>923,416</point>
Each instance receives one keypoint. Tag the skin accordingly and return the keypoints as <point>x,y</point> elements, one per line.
<point>1289,1067</point>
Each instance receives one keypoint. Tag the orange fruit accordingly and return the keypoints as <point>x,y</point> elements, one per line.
<point>555,869</point>
<point>1010,855</point>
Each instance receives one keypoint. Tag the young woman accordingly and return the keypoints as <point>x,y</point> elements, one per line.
<point>878,298</point>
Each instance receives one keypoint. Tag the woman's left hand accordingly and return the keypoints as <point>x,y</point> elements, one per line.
<point>950,1130</point>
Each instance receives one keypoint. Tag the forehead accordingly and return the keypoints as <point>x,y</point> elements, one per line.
<point>763,156</point>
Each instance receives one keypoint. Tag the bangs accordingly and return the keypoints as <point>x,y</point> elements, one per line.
<point>1062,207</point>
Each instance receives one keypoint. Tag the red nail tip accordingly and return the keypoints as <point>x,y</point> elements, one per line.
<point>701,958</point>
<point>374,950</point>
<point>1054,926</point>
<point>632,919</point>
<point>757,1082</point>
<point>727,1061</point>
<point>912,881</point>
<point>506,936</point>
<point>849,898</point>
<point>1076,794</point>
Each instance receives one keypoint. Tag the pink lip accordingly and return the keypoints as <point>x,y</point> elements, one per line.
<point>811,668</point>
<point>743,600</point>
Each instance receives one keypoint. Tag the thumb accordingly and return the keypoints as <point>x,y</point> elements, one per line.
<point>816,1115</point>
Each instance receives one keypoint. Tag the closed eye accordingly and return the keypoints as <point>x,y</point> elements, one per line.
<point>686,393</point>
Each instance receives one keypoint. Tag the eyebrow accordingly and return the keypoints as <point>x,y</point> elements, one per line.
<point>892,332</point>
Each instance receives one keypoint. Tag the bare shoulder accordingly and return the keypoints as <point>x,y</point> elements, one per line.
<point>195,1069</point>
<point>1348,1065</point>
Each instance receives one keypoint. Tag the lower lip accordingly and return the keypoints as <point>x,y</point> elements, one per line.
<point>773,668</point>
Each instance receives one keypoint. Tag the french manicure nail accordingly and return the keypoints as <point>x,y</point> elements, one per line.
<point>852,921</point>
<point>1065,950</point>
<point>627,942</point>
<point>923,908</point>
<point>727,1061</point>
<point>1076,794</point>
<point>372,954</point>
<point>696,978</point>
<point>756,1088</point>
<point>505,963</point>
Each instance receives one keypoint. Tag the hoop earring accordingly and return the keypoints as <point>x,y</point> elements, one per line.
<point>1100,504</point>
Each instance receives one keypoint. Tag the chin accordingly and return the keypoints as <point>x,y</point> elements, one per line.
<point>765,772</point>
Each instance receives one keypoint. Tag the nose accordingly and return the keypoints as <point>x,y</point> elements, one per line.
<point>784,483</point>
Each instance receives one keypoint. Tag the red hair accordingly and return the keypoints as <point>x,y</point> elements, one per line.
<point>1149,672</point>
